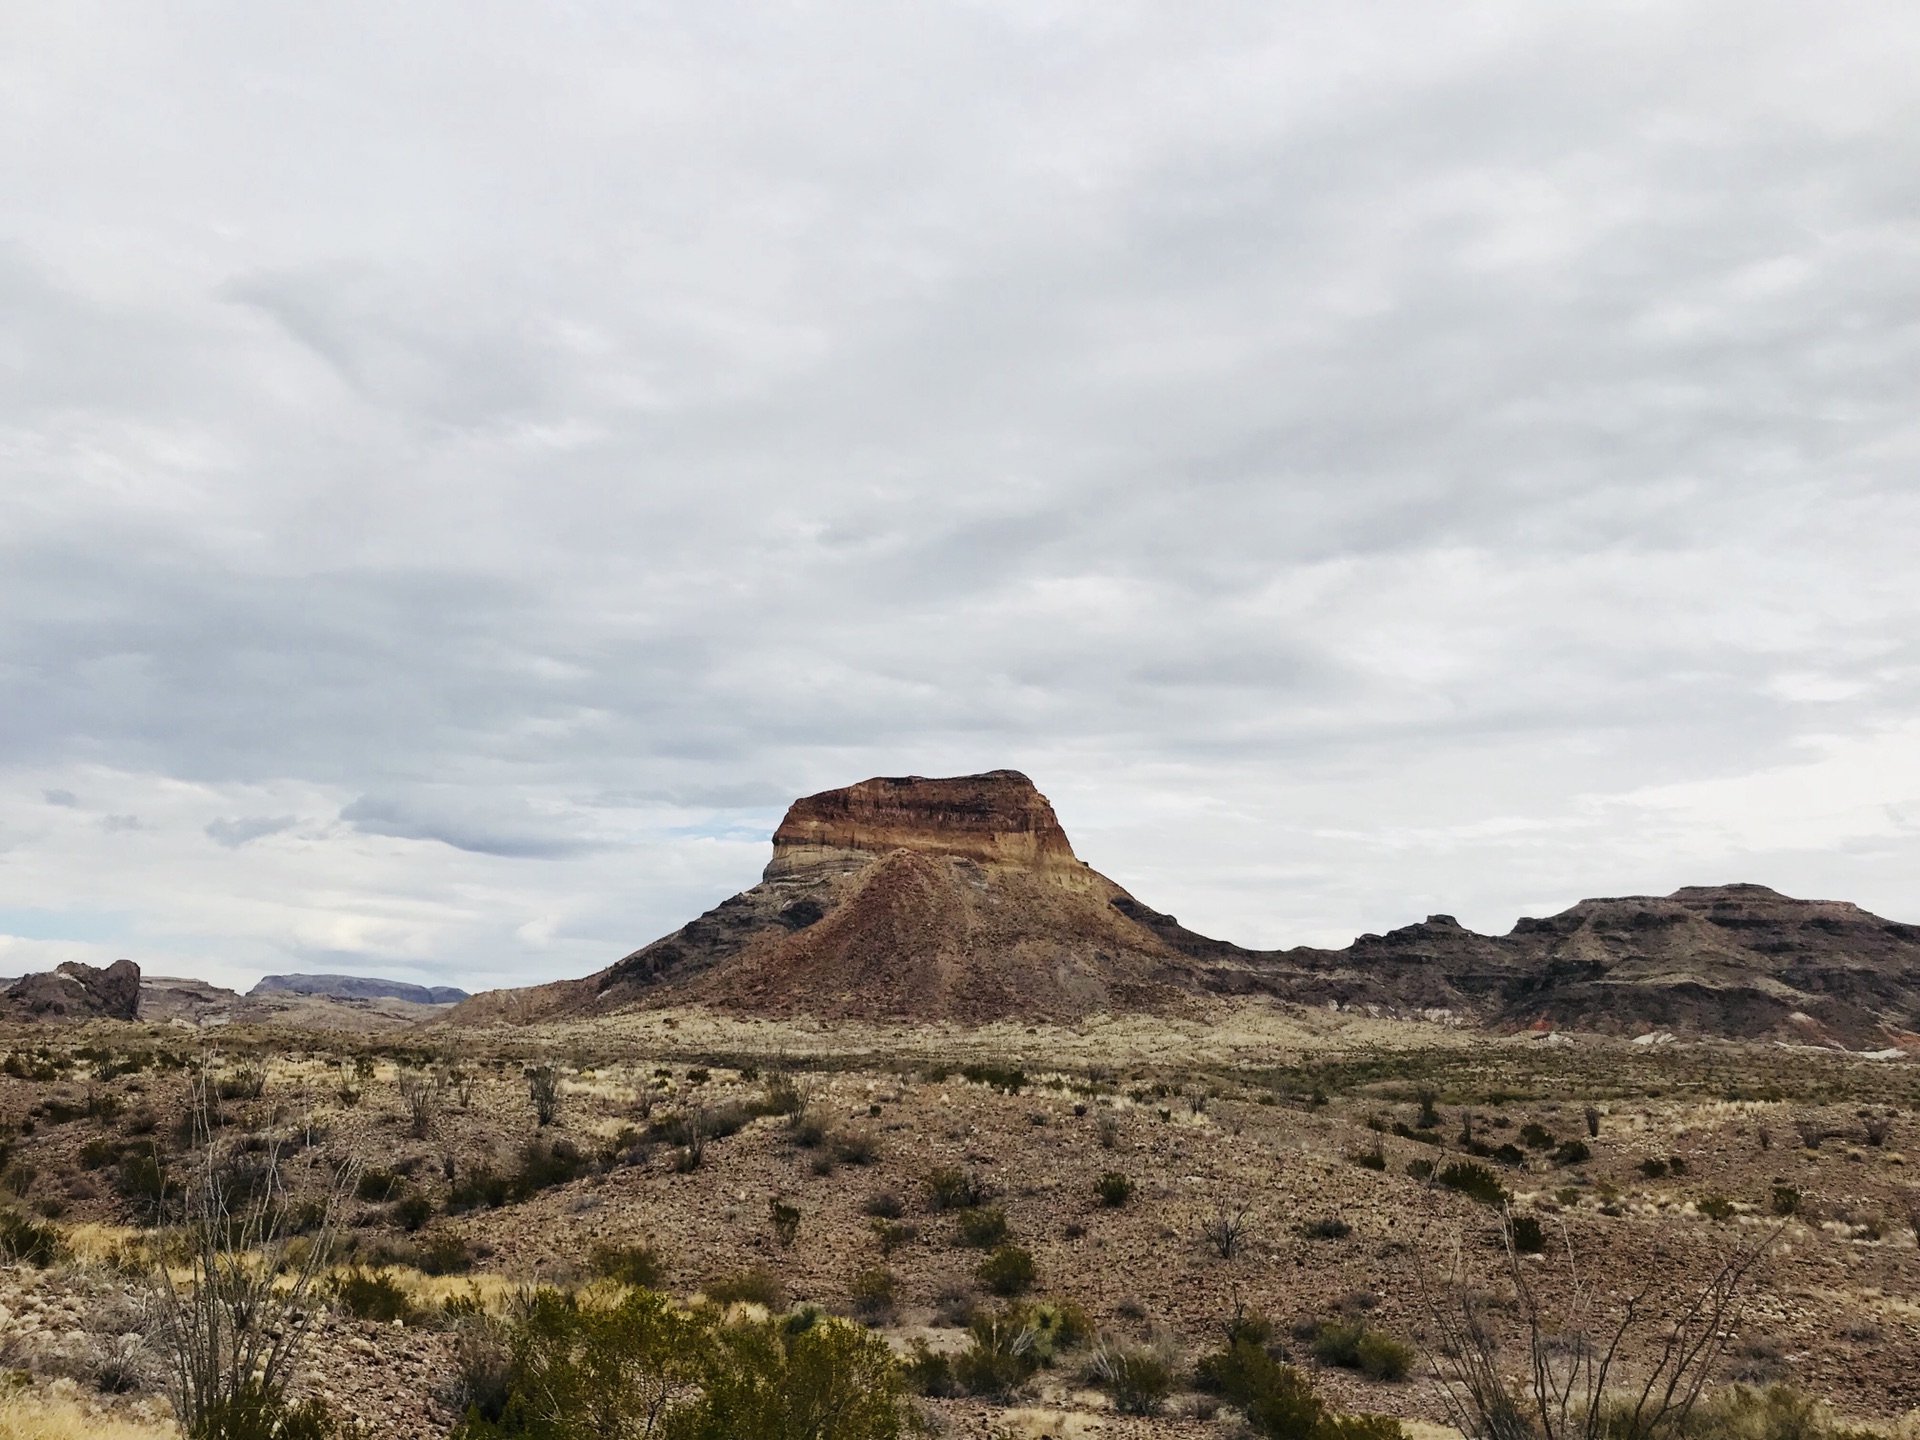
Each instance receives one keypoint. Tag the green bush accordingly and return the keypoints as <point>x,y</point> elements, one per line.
<point>1536,1136</point>
<point>377,1186</point>
<point>1374,1159</point>
<point>873,1293</point>
<point>445,1253</point>
<point>951,1188</point>
<point>1352,1345</point>
<point>981,1228</point>
<point>1114,1189</point>
<point>639,1265</point>
<point>929,1372</point>
<point>999,1357</point>
<point>753,1286</point>
<point>1716,1207</point>
<point>1527,1235</point>
<point>643,1367</point>
<point>1572,1152</point>
<point>262,1412</point>
<point>1010,1082</point>
<point>1007,1271</point>
<point>371,1297</point>
<point>1137,1379</point>
<point>1280,1402</point>
<point>413,1212</point>
<point>1653,1167</point>
<point>1786,1200</point>
<point>1474,1181</point>
<point>27,1242</point>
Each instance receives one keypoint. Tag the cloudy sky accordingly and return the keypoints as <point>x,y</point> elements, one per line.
<point>466,466</point>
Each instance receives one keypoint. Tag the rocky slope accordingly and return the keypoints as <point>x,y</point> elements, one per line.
<point>951,899</point>
<point>961,899</point>
<point>1734,960</point>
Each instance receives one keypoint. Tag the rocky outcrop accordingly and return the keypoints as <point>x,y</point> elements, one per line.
<point>910,898</point>
<point>356,987</point>
<point>961,899</point>
<point>74,991</point>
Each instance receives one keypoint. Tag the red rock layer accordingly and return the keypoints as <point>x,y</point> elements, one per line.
<point>998,817</point>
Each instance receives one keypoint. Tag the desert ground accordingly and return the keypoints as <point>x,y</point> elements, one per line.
<point>1157,1176</point>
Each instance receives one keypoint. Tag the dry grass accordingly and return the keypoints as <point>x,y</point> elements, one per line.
<point>57,1413</point>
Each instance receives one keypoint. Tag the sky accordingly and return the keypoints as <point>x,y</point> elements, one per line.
<point>465,467</point>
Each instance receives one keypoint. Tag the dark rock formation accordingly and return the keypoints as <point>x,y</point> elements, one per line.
<point>74,991</point>
<point>358,987</point>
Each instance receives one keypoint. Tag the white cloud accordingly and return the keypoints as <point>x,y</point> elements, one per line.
<point>1358,461</point>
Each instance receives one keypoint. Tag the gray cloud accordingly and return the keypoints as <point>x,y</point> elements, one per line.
<point>1333,452</point>
<point>238,830</point>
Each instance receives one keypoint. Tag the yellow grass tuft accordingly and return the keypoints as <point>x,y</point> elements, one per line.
<point>56,1413</point>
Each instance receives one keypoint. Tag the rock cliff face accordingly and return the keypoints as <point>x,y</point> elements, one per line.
<point>997,818</point>
<point>74,991</point>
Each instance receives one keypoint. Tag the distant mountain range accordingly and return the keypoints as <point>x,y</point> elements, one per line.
<point>961,899</point>
<point>358,987</point>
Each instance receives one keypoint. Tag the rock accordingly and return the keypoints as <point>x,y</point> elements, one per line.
<point>75,991</point>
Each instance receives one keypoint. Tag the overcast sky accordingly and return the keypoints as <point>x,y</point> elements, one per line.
<point>466,466</point>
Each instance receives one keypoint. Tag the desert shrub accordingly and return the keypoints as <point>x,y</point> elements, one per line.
<point>951,1188</point>
<point>929,1372</point>
<point>782,1097</point>
<point>1508,1154</point>
<point>444,1253</point>
<point>1352,1345</point>
<point>545,1164</point>
<point>980,1228</point>
<point>1786,1200</point>
<point>371,1296</point>
<point>377,1186</point>
<point>1008,1271</point>
<point>260,1412</point>
<point>100,1152</point>
<point>413,1212</point>
<point>1009,1082</point>
<point>892,1234</point>
<point>1653,1167</point>
<point>1137,1378</point>
<point>1527,1234</point>
<point>639,1265</point>
<point>1280,1403</point>
<point>1429,1116</point>
<point>1114,1189</point>
<point>1407,1132</point>
<point>27,1242</point>
<point>481,1186</point>
<point>1107,1130</point>
<point>1676,1164</point>
<point>855,1147</point>
<point>140,1179</point>
<point>1536,1136</point>
<point>1226,1229</point>
<point>1374,1159</point>
<point>1572,1152</point>
<point>1592,1117</point>
<point>999,1356</point>
<point>785,1220</point>
<point>1330,1227</point>
<point>643,1367</point>
<point>752,1286</point>
<point>1474,1181</point>
<point>245,1081</point>
<point>884,1205</point>
<point>543,1093</point>
<point>1420,1168</point>
<point>1716,1207</point>
<point>808,1129</point>
<point>873,1293</point>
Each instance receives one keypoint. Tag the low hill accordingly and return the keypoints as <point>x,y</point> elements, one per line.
<point>357,987</point>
